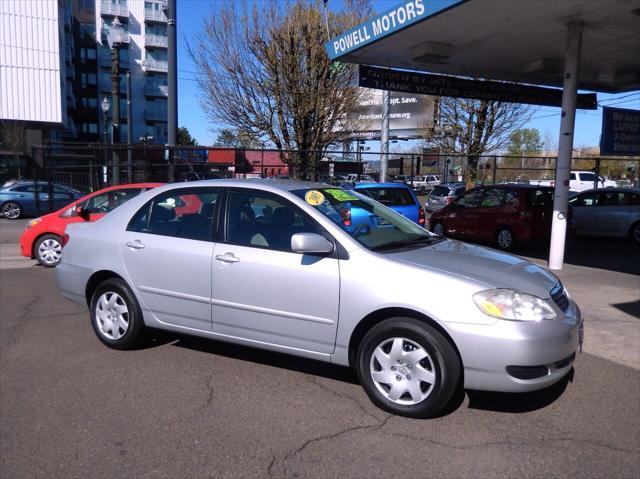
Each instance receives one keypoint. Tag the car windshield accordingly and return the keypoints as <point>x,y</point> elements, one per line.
<point>393,196</point>
<point>372,224</point>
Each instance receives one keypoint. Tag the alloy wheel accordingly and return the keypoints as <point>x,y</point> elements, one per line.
<point>11,211</point>
<point>112,315</point>
<point>505,239</point>
<point>402,371</point>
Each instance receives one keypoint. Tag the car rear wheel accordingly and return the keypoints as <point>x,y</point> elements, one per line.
<point>116,316</point>
<point>11,210</point>
<point>48,250</point>
<point>438,228</point>
<point>505,239</point>
<point>634,232</point>
<point>408,368</point>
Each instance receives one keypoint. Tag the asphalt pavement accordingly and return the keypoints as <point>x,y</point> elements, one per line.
<point>188,407</point>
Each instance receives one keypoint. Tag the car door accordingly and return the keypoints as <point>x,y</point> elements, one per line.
<point>584,212</point>
<point>613,213</point>
<point>262,291</point>
<point>462,216</point>
<point>62,197</point>
<point>168,255</point>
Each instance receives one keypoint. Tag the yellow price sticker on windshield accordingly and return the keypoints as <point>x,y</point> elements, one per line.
<point>314,197</point>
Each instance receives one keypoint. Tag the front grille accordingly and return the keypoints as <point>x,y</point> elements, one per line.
<point>559,295</point>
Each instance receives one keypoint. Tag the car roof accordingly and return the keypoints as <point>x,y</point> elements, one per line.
<point>523,186</point>
<point>620,189</point>
<point>381,185</point>
<point>285,185</point>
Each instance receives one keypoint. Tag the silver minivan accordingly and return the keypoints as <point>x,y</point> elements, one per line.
<point>320,272</point>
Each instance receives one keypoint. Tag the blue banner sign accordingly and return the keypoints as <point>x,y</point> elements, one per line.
<point>397,18</point>
<point>620,132</point>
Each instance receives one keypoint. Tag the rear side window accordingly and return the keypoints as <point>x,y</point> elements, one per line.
<point>541,198</point>
<point>389,196</point>
<point>588,177</point>
<point>470,199</point>
<point>28,188</point>
<point>187,213</point>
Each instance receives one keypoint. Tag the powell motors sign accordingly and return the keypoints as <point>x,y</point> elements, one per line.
<point>397,18</point>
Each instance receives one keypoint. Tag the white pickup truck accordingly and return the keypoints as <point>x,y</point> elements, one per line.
<point>425,183</point>
<point>580,181</point>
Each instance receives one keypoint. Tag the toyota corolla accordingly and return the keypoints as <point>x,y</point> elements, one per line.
<point>276,265</point>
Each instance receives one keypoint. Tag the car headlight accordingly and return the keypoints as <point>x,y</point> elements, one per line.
<point>34,222</point>
<point>513,305</point>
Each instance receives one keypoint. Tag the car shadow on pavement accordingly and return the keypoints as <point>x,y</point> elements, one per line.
<point>519,402</point>
<point>268,358</point>
<point>632,308</point>
<point>612,254</point>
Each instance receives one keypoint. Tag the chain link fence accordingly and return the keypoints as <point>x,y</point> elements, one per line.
<point>91,166</point>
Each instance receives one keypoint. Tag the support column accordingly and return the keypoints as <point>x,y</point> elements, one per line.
<point>172,110</point>
<point>115,108</point>
<point>129,131</point>
<point>384,136</point>
<point>565,145</point>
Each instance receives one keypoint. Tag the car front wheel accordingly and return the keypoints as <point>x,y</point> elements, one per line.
<point>634,232</point>
<point>116,316</point>
<point>408,368</point>
<point>48,251</point>
<point>505,239</point>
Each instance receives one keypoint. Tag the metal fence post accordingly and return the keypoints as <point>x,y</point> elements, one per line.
<point>493,172</point>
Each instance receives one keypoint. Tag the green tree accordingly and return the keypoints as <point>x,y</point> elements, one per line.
<point>524,141</point>
<point>185,138</point>
<point>263,70</point>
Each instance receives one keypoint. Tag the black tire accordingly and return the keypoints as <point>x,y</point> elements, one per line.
<point>436,227</point>
<point>12,210</point>
<point>634,232</point>
<point>48,260</point>
<point>134,334</point>
<point>442,361</point>
<point>505,240</point>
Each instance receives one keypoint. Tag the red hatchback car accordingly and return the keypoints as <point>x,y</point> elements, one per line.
<point>501,214</point>
<point>42,238</point>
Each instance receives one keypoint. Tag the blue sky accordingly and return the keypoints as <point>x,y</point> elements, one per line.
<point>192,12</point>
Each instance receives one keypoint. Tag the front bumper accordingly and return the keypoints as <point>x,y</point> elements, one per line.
<point>546,349</point>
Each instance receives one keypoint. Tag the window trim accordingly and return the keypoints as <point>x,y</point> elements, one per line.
<point>339,252</point>
<point>213,227</point>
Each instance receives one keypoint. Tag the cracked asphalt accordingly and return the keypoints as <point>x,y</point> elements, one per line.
<point>188,407</point>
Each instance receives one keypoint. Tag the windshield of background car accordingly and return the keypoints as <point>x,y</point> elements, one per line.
<point>389,196</point>
<point>372,224</point>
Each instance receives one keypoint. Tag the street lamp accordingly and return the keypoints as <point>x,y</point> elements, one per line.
<point>115,38</point>
<point>105,111</point>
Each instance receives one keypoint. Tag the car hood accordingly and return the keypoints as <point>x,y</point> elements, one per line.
<point>489,266</point>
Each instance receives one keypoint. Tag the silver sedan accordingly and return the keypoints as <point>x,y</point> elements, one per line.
<point>317,271</point>
<point>612,212</point>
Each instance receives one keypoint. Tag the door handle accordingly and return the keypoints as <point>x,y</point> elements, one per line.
<point>227,258</point>
<point>137,244</point>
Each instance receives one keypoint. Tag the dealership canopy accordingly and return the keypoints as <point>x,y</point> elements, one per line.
<point>573,44</point>
<point>513,40</point>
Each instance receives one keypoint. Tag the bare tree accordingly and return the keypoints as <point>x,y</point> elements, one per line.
<point>478,126</point>
<point>263,70</point>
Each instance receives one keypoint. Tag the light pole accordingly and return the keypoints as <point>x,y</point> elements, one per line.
<point>115,38</point>
<point>105,111</point>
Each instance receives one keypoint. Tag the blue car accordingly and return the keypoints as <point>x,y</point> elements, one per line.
<point>19,199</point>
<point>397,196</point>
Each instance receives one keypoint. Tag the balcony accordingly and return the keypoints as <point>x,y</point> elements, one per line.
<point>152,65</point>
<point>154,16</point>
<point>156,41</point>
<point>155,115</point>
<point>109,9</point>
<point>156,90</point>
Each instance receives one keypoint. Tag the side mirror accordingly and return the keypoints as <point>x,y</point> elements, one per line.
<point>311,243</point>
<point>83,213</point>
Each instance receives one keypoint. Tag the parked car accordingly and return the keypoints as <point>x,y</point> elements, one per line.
<point>355,178</point>
<point>19,198</point>
<point>500,214</point>
<point>424,183</point>
<point>42,237</point>
<point>580,181</point>
<point>397,196</point>
<point>270,264</point>
<point>443,194</point>
<point>613,212</point>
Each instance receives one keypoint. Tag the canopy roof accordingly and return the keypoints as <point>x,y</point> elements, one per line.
<point>513,40</point>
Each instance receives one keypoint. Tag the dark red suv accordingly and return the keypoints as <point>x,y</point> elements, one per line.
<point>501,214</point>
